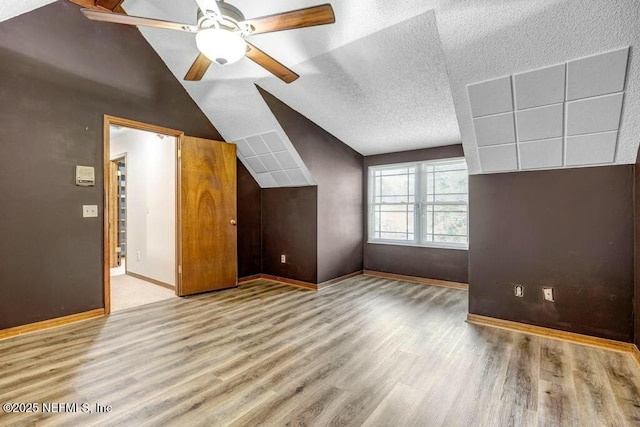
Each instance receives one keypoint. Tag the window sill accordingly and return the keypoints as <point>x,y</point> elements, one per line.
<point>415,245</point>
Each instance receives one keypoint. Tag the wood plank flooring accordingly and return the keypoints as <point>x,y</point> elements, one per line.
<point>367,351</point>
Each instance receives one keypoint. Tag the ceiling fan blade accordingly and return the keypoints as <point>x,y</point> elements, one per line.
<point>270,64</point>
<point>199,67</point>
<point>309,17</point>
<point>117,18</point>
<point>208,5</point>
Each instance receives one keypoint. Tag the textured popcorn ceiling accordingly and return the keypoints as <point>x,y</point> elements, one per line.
<point>383,63</point>
<point>487,39</point>
<point>11,8</point>
<point>385,69</point>
<point>385,92</point>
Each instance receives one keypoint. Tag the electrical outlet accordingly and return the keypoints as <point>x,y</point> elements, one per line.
<point>519,291</point>
<point>548,294</point>
<point>138,255</point>
<point>90,211</point>
<point>283,259</point>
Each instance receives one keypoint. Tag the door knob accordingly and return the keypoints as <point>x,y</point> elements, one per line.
<point>233,222</point>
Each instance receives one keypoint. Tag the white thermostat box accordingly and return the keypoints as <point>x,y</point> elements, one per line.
<point>85,176</point>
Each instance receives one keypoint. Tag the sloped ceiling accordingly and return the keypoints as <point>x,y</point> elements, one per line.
<point>384,92</point>
<point>386,77</point>
<point>11,8</point>
<point>401,63</point>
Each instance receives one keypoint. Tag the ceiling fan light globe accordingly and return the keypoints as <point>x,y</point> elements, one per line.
<point>221,46</point>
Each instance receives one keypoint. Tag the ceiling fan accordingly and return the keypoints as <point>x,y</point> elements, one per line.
<point>221,32</point>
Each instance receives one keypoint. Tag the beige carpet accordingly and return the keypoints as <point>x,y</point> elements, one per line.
<point>127,292</point>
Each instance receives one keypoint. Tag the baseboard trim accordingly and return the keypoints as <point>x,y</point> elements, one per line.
<point>300,283</point>
<point>51,323</point>
<point>572,337</point>
<point>249,278</point>
<point>150,280</point>
<point>414,279</point>
<point>339,279</point>
<point>293,282</point>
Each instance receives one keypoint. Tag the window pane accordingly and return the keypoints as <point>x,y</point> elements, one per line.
<point>394,222</point>
<point>396,186</point>
<point>450,223</point>
<point>443,202</point>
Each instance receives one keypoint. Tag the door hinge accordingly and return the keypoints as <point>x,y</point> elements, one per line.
<point>179,153</point>
<point>179,269</point>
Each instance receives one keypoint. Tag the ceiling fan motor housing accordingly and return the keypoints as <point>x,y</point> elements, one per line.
<point>231,17</point>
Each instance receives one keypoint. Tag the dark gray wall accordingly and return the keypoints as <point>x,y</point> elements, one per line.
<point>569,229</point>
<point>249,224</point>
<point>432,263</point>
<point>289,218</point>
<point>337,170</point>
<point>60,74</point>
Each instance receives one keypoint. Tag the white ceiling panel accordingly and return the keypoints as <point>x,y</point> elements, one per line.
<point>539,87</point>
<point>273,141</point>
<point>263,167</point>
<point>541,154</point>
<point>286,160</point>
<point>297,177</point>
<point>243,148</point>
<point>270,162</point>
<point>594,114</point>
<point>264,180</point>
<point>597,75</point>
<point>256,165</point>
<point>540,122</point>
<point>492,130</point>
<point>282,179</point>
<point>490,97</point>
<point>591,149</point>
<point>498,158</point>
<point>257,144</point>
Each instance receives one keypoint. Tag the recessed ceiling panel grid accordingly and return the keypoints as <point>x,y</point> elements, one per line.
<point>271,162</point>
<point>565,115</point>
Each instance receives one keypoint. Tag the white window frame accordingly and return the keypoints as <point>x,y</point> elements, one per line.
<point>419,206</point>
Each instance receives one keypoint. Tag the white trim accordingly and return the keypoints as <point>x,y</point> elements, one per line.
<point>430,245</point>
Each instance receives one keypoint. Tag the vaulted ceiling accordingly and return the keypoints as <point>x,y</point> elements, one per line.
<point>393,75</point>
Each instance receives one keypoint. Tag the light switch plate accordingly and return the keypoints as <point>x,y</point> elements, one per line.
<point>90,211</point>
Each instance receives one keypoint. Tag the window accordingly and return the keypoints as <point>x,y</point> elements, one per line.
<point>422,203</point>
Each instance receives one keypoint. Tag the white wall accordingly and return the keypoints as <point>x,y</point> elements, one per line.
<point>151,202</point>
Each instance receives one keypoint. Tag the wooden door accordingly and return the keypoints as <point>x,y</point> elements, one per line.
<point>114,256</point>
<point>207,216</point>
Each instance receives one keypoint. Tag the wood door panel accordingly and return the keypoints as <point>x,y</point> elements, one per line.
<point>208,215</point>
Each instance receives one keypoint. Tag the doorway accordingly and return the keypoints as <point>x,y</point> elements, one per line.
<point>198,206</point>
<point>142,214</point>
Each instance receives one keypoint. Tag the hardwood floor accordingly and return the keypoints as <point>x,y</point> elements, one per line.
<point>368,351</point>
